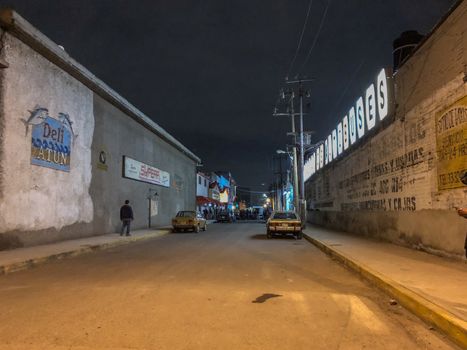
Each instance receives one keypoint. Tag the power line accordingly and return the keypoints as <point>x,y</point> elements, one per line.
<point>344,92</point>
<point>301,37</point>
<point>250,191</point>
<point>323,18</point>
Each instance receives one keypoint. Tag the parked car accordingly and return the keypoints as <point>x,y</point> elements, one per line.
<point>284,222</point>
<point>189,220</point>
<point>224,216</point>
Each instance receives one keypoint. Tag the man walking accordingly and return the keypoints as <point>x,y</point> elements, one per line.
<point>126,216</point>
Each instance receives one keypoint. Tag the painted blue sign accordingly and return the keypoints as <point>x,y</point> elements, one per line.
<point>51,140</point>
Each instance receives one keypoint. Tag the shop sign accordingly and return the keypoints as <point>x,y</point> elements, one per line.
<point>102,160</point>
<point>51,139</point>
<point>369,110</point>
<point>135,170</point>
<point>224,196</point>
<point>214,194</point>
<point>451,145</point>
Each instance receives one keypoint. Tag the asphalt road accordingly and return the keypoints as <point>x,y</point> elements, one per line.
<point>227,288</point>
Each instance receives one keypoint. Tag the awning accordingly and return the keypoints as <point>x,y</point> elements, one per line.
<point>201,200</point>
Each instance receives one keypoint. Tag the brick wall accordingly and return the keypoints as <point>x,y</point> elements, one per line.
<point>396,184</point>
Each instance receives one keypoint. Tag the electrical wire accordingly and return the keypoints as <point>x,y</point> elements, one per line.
<point>344,92</point>
<point>301,38</point>
<point>323,18</point>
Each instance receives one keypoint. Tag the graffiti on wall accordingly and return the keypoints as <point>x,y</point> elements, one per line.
<point>381,181</point>
<point>51,139</point>
<point>451,145</point>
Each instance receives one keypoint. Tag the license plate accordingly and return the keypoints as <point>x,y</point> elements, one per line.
<point>284,225</point>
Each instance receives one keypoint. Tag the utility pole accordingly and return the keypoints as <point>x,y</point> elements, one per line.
<point>302,158</point>
<point>295,163</point>
<point>291,113</point>
<point>301,93</point>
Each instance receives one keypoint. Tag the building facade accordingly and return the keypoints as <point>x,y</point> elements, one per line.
<point>72,149</point>
<point>403,180</point>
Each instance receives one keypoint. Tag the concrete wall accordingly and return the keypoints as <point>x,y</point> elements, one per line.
<point>39,204</point>
<point>36,198</point>
<point>119,136</point>
<point>389,186</point>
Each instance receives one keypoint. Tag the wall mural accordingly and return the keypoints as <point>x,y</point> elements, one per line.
<point>51,139</point>
<point>451,145</point>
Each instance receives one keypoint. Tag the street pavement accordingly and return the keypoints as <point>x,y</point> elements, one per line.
<point>433,287</point>
<point>227,288</point>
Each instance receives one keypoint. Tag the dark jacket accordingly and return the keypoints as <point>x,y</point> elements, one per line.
<point>126,212</point>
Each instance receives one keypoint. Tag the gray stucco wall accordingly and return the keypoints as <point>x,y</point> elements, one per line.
<point>41,205</point>
<point>388,186</point>
<point>118,135</point>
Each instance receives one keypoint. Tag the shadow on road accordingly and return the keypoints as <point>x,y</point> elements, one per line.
<point>262,298</point>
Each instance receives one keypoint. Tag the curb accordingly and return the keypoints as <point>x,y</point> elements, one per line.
<point>83,249</point>
<point>454,327</point>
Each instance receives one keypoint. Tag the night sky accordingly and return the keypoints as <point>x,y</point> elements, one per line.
<point>209,71</point>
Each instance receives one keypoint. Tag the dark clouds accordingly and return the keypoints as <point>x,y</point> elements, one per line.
<point>209,71</point>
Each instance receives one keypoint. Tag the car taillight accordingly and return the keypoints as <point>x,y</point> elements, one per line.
<point>297,224</point>
<point>190,221</point>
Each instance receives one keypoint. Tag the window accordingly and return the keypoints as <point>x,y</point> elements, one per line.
<point>186,214</point>
<point>285,216</point>
<point>199,180</point>
<point>205,183</point>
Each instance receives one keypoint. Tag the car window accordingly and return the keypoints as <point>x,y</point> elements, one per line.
<point>189,214</point>
<point>285,216</point>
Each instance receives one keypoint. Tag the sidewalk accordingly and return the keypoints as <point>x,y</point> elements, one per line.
<point>24,258</point>
<point>432,287</point>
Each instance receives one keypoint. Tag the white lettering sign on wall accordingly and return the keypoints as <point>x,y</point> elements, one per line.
<point>360,118</point>
<point>339,139</point>
<point>321,156</point>
<point>368,111</point>
<point>370,107</point>
<point>352,123</point>
<point>345,132</point>
<point>383,103</point>
<point>326,151</point>
<point>329,148</point>
<point>334,144</point>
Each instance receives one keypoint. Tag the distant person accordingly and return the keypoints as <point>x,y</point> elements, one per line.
<point>126,216</point>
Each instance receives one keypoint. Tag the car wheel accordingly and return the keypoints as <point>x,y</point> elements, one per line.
<point>268,234</point>
<point>299,235</point>
<point>205,227</point>
<point>196,229</point>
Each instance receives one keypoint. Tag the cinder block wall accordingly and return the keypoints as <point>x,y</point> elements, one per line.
<point>388,186</point>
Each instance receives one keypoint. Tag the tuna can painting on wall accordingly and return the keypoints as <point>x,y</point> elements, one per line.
<point>51,139</point>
